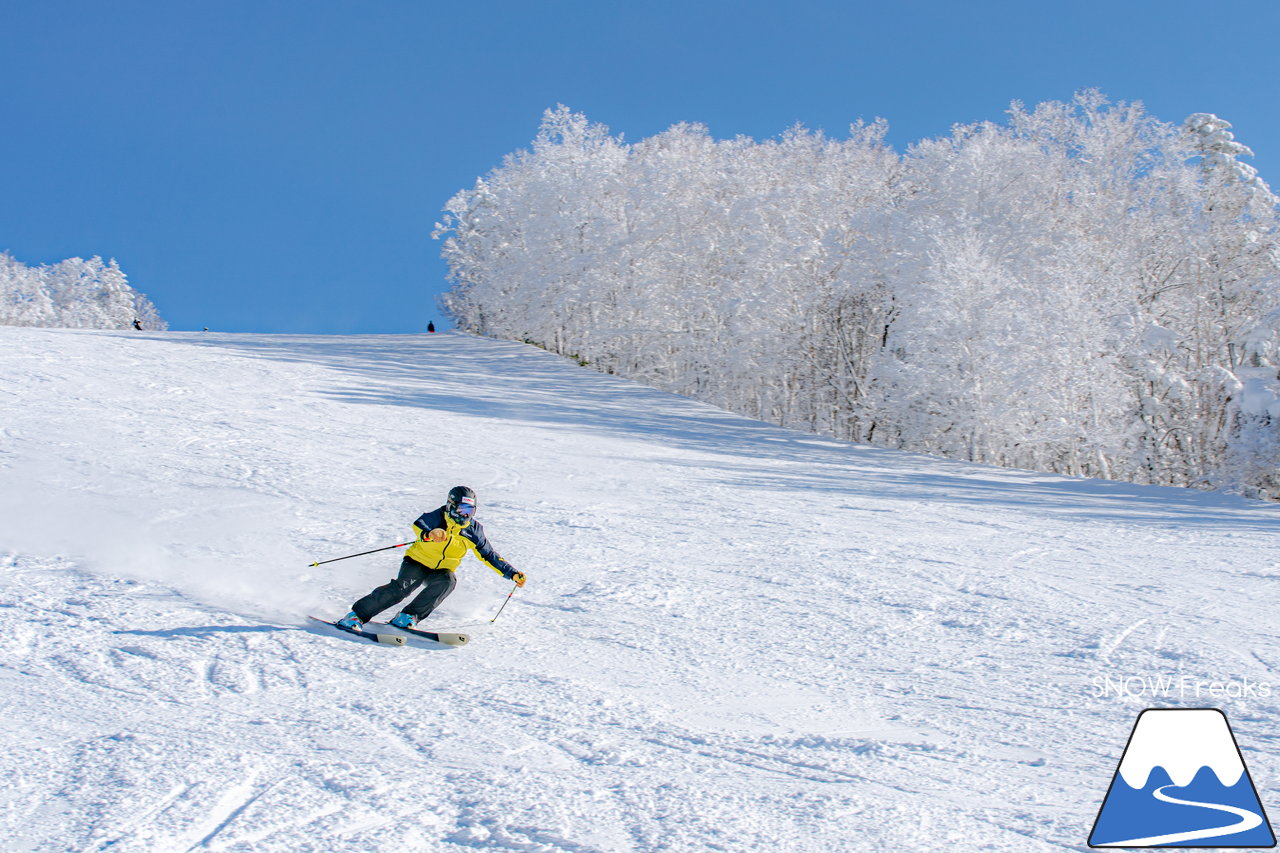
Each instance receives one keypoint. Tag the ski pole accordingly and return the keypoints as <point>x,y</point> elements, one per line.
<point>361,554</point>
<point>504,603</point>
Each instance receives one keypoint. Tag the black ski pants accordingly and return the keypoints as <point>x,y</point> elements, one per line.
<point>436,585</point>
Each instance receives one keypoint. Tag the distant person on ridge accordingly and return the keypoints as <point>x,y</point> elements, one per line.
<point>444,535</point>
<point>137,324</point>
<point>431,327</point>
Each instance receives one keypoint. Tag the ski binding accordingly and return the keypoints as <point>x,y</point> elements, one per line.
<point>371,636</point>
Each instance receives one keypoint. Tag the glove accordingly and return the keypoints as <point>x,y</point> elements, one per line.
<point>518,577</point>
<point>436,535</point>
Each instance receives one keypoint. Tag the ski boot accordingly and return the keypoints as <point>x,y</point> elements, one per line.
<point>404,620</point>
<point>351,622</point>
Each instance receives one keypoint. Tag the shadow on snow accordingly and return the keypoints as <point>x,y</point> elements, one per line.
<point>504,380</point>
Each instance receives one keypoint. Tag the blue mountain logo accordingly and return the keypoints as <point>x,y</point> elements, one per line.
<point>1182,783</point>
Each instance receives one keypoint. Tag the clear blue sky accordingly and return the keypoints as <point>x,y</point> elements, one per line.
<point>278,165</point>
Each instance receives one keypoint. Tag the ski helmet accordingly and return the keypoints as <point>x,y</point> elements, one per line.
<point>461,506</point>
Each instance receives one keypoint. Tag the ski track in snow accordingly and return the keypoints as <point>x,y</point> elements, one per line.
<point>734,637</point>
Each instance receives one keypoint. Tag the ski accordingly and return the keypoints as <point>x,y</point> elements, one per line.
<point>447,637</point>
<point>371,636</point>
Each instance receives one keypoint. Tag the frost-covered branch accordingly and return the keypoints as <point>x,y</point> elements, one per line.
<point>1084,289</point>
<point>74,294</point>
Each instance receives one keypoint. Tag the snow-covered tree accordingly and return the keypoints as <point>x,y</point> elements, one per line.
<point>1083,289</point>
<point>74,293</point>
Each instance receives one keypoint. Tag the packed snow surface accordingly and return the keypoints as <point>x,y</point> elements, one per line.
<point>733,638</point>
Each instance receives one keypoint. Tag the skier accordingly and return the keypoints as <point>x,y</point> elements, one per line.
<point>444,536</point>
<point>431,327</point>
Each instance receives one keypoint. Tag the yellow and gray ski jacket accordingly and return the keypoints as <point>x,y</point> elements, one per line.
<point>458,540</point>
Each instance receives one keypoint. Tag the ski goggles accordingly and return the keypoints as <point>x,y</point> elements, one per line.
<point>464,509</point>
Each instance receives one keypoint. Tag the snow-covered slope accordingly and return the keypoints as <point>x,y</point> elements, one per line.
<point>733,638</point>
